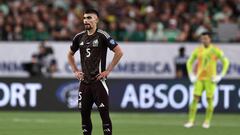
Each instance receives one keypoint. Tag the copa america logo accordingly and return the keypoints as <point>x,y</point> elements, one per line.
<point>67,93</point>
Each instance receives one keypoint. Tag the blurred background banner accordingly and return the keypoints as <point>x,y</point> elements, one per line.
<point>141,60</point>
<point>137,95</point>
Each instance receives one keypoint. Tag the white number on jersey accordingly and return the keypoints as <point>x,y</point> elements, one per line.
<point>88,52</point>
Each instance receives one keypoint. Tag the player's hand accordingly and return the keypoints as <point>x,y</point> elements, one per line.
<point>217,78</point>
<point>103,75</point>
<point>79,75</point>
<point>192,78</point>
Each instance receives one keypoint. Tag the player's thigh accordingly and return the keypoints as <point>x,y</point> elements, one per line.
<point>210,88</point>
<point>101,94</point>
<point>198,88</point>
<point>85,99</point>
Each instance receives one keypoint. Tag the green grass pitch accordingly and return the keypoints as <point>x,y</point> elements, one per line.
<point>68,123</point>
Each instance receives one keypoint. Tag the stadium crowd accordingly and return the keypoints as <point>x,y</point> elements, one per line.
<point>125,20</point>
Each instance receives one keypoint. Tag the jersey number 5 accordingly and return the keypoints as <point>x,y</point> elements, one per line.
<point>88,52</point>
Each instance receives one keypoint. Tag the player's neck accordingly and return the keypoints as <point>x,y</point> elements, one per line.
<point>91,31</point>
<point>206,45</point>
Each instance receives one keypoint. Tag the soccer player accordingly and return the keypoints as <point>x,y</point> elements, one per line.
<point>206,77</point>
<point>92,45</point>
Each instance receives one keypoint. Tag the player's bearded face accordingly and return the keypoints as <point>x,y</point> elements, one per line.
<point>90,21</point>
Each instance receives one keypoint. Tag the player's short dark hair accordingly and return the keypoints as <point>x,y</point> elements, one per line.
<point>91,11</point>
<point>206,34</point>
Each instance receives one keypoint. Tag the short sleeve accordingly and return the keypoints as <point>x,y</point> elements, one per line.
<point>111,43</point>
<point>195,53</point>
<point>74,47</point>
<point>191,60</point>
<point>219,53</point>
<point>108,40</point>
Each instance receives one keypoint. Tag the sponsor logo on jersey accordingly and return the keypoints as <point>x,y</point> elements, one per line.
<point>107,130</point>
<point>81,43</point>
<point>85,130</point>
<point>101,105</point>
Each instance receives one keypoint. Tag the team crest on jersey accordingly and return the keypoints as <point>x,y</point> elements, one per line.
<point>95,43</point>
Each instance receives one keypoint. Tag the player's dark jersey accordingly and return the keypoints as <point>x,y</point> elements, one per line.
<point>93,52</point>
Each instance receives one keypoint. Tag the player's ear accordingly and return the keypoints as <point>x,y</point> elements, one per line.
<point>97,19</point>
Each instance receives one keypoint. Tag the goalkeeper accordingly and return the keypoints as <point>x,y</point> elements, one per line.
<point>205,77</point>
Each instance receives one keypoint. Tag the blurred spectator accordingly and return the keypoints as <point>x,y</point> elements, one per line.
<point>172,33</point>
<point>113,30</point>
<point>138,34</point>
<point>155,32</point>
<point>41,32</point>
<point>127,20</point>
<point>180,63</point>
<point>43,62</point>
<point>46,59</point>
<point>2,26</point>
<point>33,67</point>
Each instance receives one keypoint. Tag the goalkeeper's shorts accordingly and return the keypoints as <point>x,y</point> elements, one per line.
<point>207,85</point>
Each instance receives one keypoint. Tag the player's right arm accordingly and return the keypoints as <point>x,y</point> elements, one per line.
<point>71,60</point>
<point>74,47</point>
<point>72,63</point>
<point>190,62</point>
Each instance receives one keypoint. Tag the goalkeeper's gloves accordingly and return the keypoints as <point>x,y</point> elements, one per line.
<point>192,78</point>
<point>217,78</point>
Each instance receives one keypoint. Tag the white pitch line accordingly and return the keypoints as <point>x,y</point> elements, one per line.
<point>40,120</point>
<point>163,123</point>
<point>133,122</point>
<point>31,120</point>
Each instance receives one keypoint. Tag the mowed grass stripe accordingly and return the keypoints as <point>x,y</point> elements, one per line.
<point>68,123</point>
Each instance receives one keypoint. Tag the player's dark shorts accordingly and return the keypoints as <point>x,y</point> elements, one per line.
<point>95,92</point>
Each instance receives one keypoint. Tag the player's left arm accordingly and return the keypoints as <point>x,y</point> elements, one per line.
<point>118,53</point>
<point>224,60</point>
<point>116,58</point>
